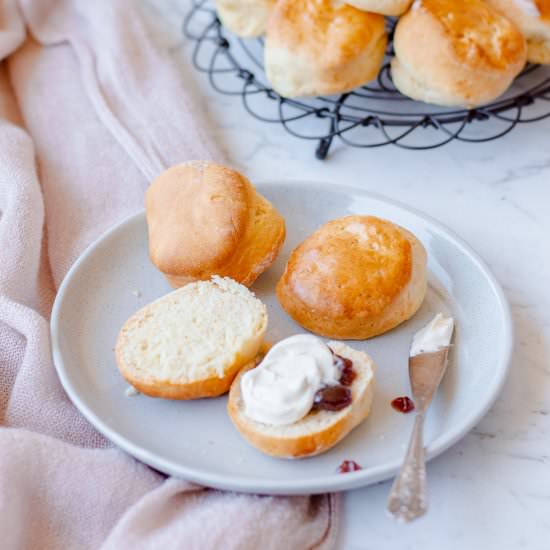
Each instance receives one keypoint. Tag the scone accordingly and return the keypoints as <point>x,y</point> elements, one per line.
<point>282,422</point>
<point>205,219</point>
<point>354,278</point>
<point>192,342</point>
<point>316,47</point>
<point>246,18</point>
<point>456,53</point>
<point>533,19</point>
<point>384,7</point>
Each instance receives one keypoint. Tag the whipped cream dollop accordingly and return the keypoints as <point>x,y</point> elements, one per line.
<point>281,389</point>
<point>435,335</point>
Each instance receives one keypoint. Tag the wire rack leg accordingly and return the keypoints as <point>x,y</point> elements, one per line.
<point>325,143</point>
<point>322,150</point>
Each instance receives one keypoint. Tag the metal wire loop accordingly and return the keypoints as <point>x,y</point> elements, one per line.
<point>373,115</point>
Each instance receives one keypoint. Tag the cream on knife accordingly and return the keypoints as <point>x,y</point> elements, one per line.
<point>435,335</point>
<point>427,365</point>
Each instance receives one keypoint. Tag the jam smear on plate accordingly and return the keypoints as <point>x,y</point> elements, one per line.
<point>348,466</point>
<point>403,404</point>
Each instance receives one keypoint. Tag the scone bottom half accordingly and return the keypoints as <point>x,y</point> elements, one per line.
<point>354,278</point>
<point>320,429</point>
<point>206,219</point>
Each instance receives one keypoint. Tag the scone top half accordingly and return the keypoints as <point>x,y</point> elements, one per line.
<point>192,342</point>
<point>456,53</point>
<point>354,278</point>
<point>206,219</point>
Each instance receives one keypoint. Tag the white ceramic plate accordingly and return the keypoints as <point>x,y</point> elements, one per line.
<point>196,440</point>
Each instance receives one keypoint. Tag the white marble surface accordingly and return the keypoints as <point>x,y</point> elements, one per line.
<point>491,490</point>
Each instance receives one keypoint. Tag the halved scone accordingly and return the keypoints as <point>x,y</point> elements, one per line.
<point>192,342</point>
<point>319,430</point>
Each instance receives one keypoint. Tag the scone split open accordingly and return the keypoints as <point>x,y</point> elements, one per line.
<point>320,428</point>
<point>192,342</point>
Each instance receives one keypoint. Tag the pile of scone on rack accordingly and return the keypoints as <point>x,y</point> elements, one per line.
<point>446,52</point>
<point>212,234</point>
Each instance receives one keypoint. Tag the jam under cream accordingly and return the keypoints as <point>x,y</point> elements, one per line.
<point>282,388</point>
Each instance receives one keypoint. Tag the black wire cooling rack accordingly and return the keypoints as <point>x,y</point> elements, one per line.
<point>370,116</point>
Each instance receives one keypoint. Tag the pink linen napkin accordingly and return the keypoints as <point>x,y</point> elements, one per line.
<point>90,112</point>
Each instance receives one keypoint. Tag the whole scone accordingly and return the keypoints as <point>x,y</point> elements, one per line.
<point>316,47</point>
<point>384,7</point>
<point>206,219</point>
<point>354,278</point>
<point>246,18</point>
<point>456,53</point>
<point>533,19</point>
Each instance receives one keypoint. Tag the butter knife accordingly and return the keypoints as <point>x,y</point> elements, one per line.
<point>407,499</point>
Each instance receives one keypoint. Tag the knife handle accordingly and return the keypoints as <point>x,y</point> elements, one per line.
<point>407,499</point>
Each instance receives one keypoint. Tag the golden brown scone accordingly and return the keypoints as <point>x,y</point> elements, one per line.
<point>319,430</point>
<point>316,47</point>
<point>456,53</point>
<point>192,342</point>
<point>533,19</point>
<point>246,18</point>
<point>384,7</point>
<point>206,219</point>
<point>354,278</point>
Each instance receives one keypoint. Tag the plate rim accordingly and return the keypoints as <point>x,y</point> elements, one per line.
<point>330,482</point>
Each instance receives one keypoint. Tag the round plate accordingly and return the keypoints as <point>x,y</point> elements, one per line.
<point>195,439</point>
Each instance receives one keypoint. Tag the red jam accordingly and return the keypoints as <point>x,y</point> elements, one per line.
<point>332,398</point>
<point>338,396</point>
<point>345,366</point>
<point>348,466</point>
<point>403,404</point>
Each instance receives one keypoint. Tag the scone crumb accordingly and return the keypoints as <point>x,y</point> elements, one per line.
<point>136,293</point>
<point>131,391</point>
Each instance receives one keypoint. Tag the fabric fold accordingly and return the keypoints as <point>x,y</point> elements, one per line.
<point>152,133</point>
